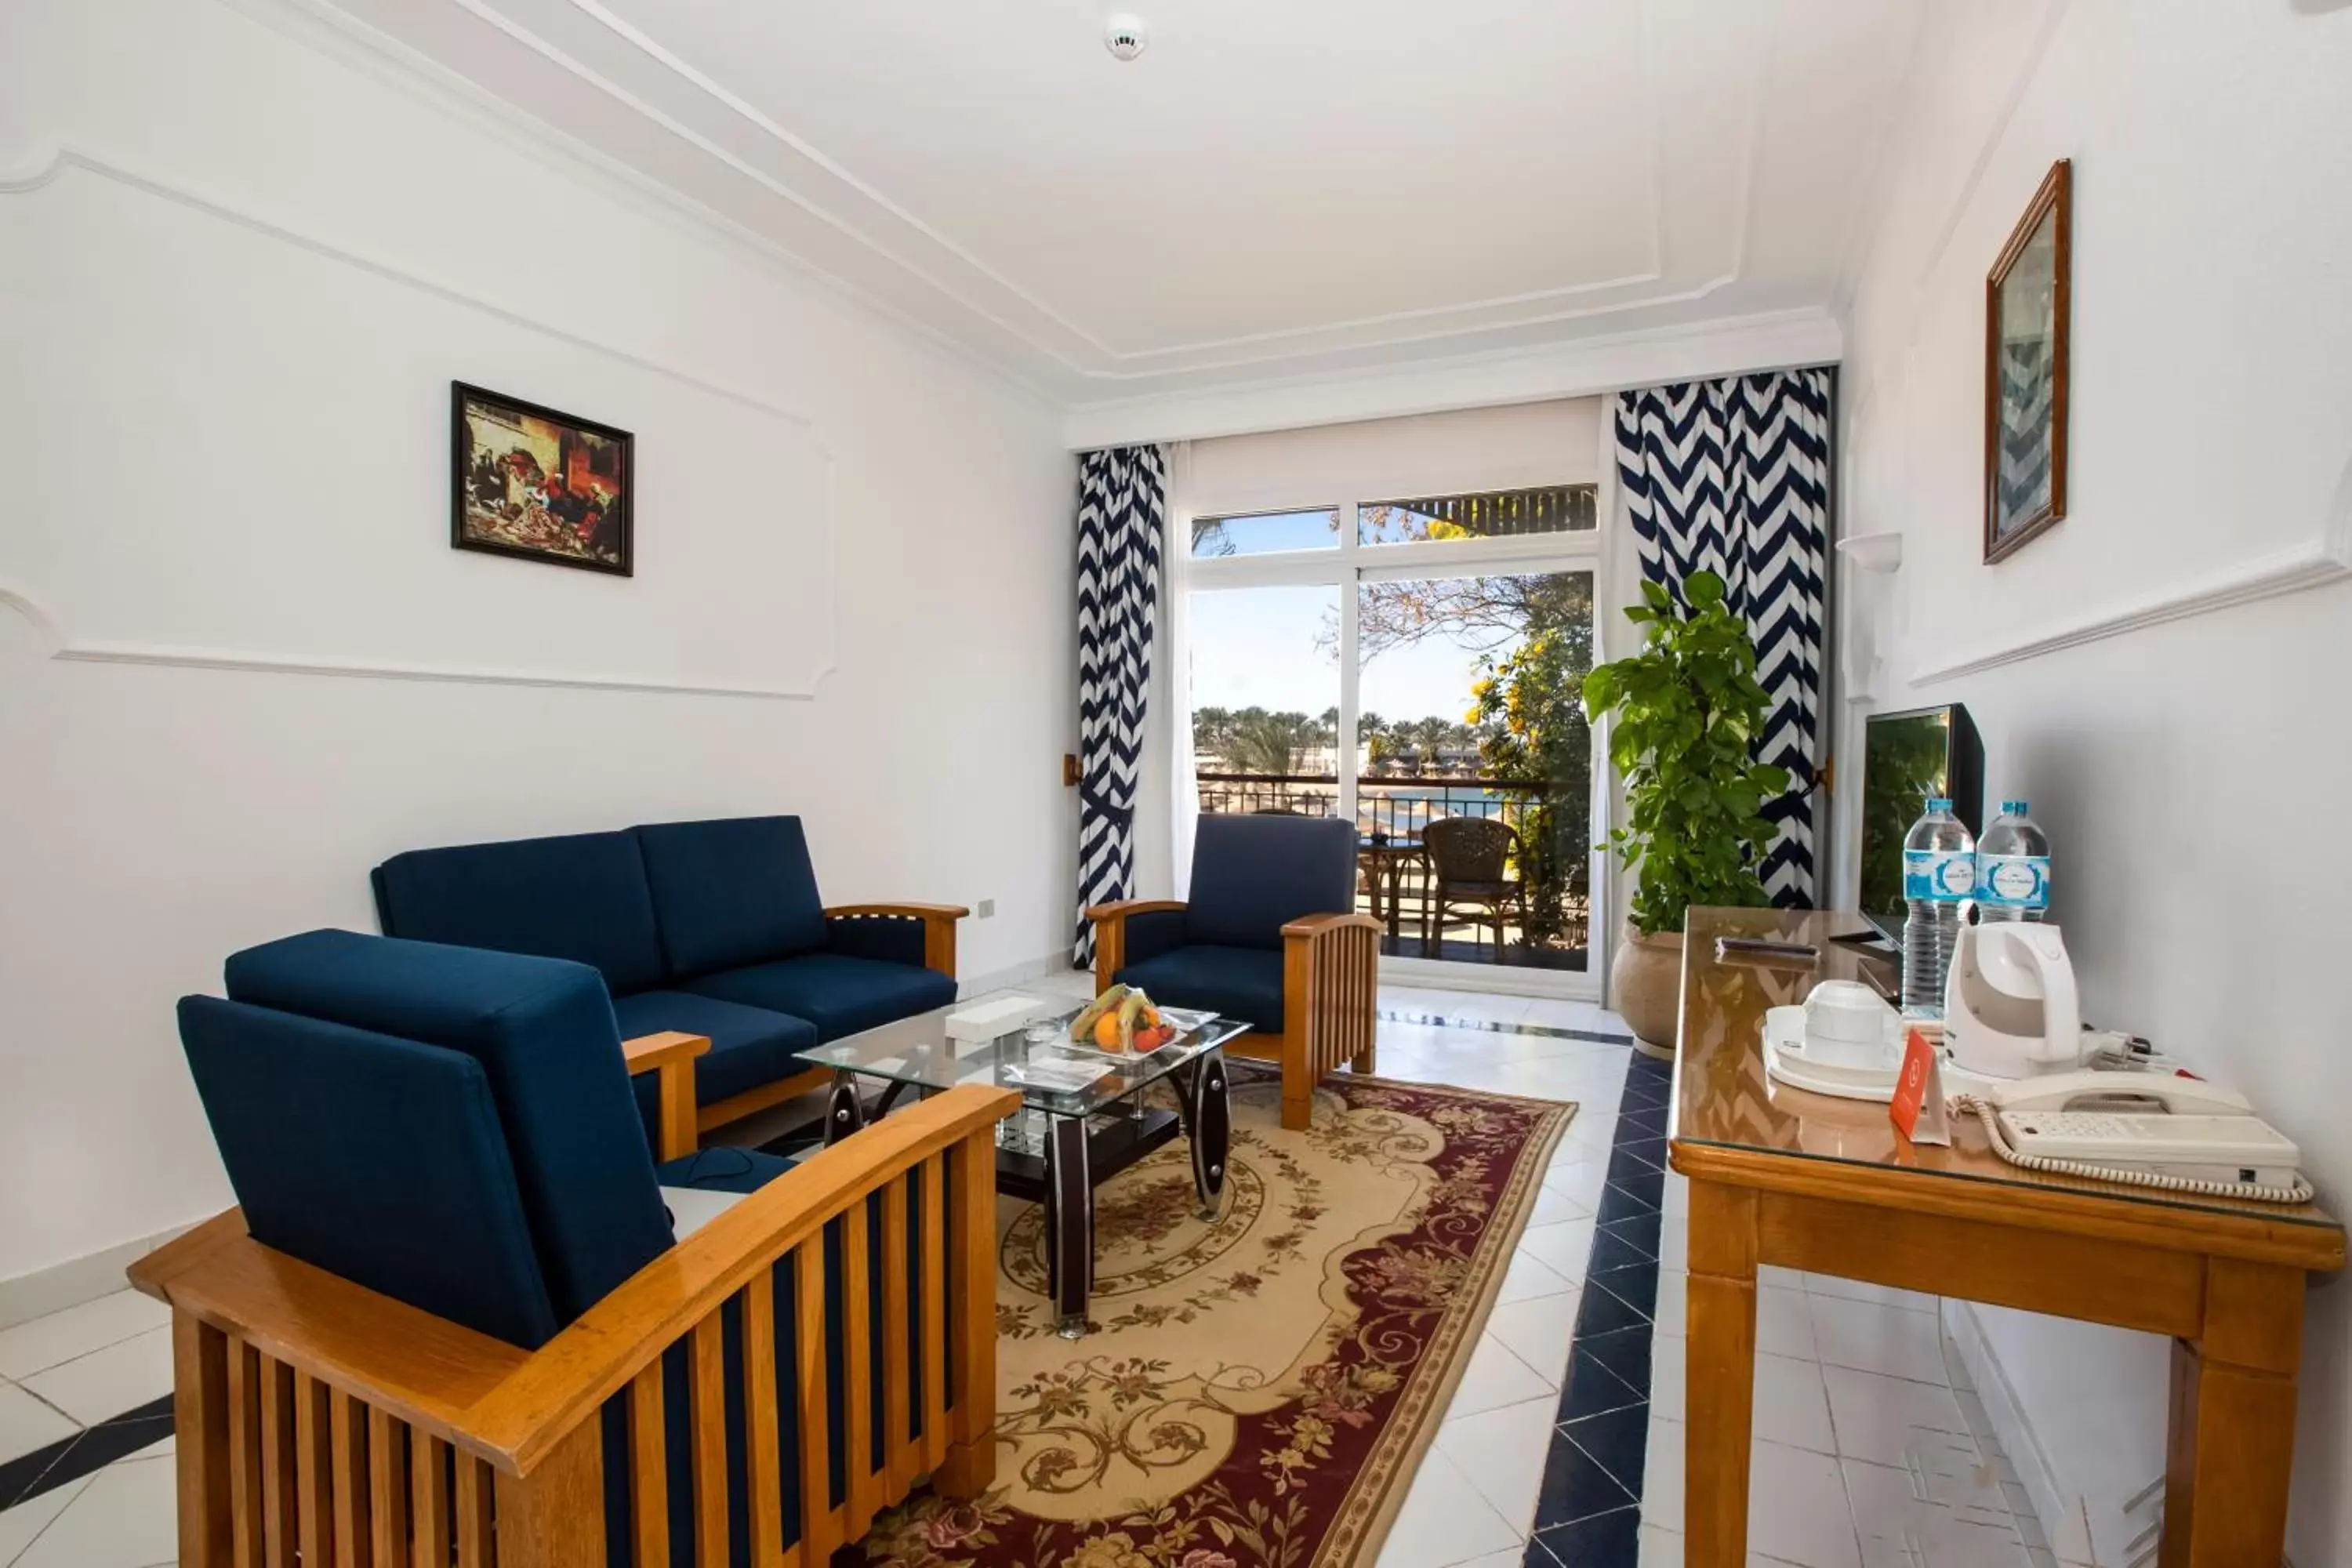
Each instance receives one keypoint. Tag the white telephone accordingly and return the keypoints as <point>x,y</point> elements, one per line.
<point>2146,1129</point>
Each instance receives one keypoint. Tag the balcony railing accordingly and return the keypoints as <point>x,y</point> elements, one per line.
<point>1397,884</point>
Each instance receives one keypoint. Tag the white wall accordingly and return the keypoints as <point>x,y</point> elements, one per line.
<point>2190,771</point>
<point>242,259</point>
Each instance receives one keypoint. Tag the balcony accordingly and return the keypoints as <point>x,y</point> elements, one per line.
<point>1396,881</point>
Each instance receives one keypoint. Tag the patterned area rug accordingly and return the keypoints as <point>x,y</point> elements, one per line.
<point>1256,1391</point>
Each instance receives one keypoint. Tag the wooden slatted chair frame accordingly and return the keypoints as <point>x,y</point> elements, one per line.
<point>322,1423</point>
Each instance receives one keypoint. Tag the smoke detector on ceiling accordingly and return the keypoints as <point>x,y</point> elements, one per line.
<point>1126,37</point>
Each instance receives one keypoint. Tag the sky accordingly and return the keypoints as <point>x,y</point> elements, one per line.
<point>1256,647</point>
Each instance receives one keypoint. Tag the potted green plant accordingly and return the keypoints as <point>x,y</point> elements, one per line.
<point>1688,709</point>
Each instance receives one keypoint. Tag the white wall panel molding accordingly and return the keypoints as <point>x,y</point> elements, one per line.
<point>2324,560</point>
<point>61,163</point>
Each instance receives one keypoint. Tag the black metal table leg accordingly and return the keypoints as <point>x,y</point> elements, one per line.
<point>1069,1223</point>
<point>844,1113</point>
<point>1201,1097</point>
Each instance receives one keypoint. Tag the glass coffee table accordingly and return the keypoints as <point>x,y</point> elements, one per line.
<point>1082,1119</point>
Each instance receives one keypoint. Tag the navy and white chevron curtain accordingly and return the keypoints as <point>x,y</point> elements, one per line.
<point>1122,506</point>
<point>1733,477</point>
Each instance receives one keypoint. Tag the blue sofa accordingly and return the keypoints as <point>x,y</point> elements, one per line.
<point>710,928</point>
<point>454,1284</point>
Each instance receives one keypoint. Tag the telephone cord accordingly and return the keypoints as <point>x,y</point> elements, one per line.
<point>2301,1192</point>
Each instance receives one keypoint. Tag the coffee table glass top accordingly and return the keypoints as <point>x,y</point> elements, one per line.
<point>1054,1074</point>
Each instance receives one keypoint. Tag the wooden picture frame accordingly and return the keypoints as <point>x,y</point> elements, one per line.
<point>538,484</point>
<point>2029,304</point>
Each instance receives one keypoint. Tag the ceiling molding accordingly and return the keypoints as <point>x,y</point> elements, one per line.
<point>1099,363</point>
<point>753,115</point>
<point>1015,344</point>
<point>1864,240</point>
<point>1778,339</point>
<point>350,41</point>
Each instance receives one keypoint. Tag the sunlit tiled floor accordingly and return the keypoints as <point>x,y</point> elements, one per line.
<point>1862,1456</point>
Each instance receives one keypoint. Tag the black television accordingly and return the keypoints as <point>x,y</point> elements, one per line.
<point>1907,758</point>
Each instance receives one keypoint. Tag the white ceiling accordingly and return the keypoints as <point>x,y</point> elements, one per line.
<point>1278,188</point>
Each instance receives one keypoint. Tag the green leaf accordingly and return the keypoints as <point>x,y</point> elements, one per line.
<point>1704,590</point>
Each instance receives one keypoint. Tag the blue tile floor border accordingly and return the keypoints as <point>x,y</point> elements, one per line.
<point>1492,1027</point>
<point>1589,1508</point>
<point>27,1476</point>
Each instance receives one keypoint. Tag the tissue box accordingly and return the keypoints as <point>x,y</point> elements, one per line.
<point>987,1020</point>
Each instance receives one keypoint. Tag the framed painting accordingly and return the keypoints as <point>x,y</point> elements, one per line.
<point>541,484</point>
<point>2028,299</point>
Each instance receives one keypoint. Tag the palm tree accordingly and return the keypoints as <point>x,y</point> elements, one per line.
<point>1263,742</point>
<point>1212,729</point>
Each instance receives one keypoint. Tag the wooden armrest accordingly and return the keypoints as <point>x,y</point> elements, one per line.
<point>510,1406</point>
<point>1126,906</point>
<point>1315,925</point>
<point>905,911</point>
<point>427,1370</point>
<point>938,927</point>
<point>647,1053</point>
<point>671,1054</point>
<point>566,1380</point>
<point>1111,932</point>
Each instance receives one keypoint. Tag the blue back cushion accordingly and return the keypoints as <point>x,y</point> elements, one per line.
<point>1252,874</point>
<point>543,1032</point>
<point>374,1158</point>
<point>730,892</point>
<point>582,897</point>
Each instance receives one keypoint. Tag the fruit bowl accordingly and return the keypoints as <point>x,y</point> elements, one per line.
<point>1122,1020</point>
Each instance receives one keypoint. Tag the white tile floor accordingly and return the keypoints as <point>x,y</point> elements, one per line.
<point>1863,1458</point>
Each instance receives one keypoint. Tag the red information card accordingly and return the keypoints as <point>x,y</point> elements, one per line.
<point>1918,1107</point>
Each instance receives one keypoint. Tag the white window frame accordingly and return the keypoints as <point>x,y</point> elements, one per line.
<point>1352,564</point>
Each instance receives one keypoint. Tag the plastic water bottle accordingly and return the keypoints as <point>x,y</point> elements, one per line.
<point>2013,868</point>
<point>1940,877</point>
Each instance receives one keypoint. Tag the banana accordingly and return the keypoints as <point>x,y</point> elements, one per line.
<point>1132,1008</point>
<point>1082,1027</point>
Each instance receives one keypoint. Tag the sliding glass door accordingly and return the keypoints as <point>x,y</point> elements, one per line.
<point>1265,698</point>
<point>1415,668</point>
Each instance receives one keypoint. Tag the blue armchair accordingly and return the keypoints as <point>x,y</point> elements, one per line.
<point>453,1314</point>
<point>1270,937</point>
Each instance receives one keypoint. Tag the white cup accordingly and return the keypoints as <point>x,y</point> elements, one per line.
<point>1846,1025</point>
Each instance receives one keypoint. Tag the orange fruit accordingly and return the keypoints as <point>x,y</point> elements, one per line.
<point>1106,1031</point>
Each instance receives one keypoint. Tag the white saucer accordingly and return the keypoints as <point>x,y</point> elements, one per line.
<point>1786,1062</point>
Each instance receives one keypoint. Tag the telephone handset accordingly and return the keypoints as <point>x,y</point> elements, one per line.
<point>2175,1095</point>
<point>2145,1129</point>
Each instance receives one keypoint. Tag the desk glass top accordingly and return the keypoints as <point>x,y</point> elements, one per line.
<point>1723,1098</point>
<point>916,1051</point>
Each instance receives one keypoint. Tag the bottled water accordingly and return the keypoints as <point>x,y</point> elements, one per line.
<point>2013,868</point>
<point>1939,875</point>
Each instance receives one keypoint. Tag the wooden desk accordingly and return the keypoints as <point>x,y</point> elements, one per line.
<point>1784,1177</point>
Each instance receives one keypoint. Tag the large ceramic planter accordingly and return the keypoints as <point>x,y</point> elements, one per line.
<point>1646,982</point>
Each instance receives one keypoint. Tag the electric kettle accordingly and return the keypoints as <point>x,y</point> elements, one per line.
<point>2009,1007</point>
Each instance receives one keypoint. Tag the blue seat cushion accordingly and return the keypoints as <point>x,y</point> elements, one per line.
<point>542,1030</point>
<point>730,892</point>
<point>582,897</point>
<point>839,995</point>
<point>1243,984</point>
<point>1253,875</point>
<point>371,1157</point>
<point>750,1046</point>
<point>723,1171</point>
